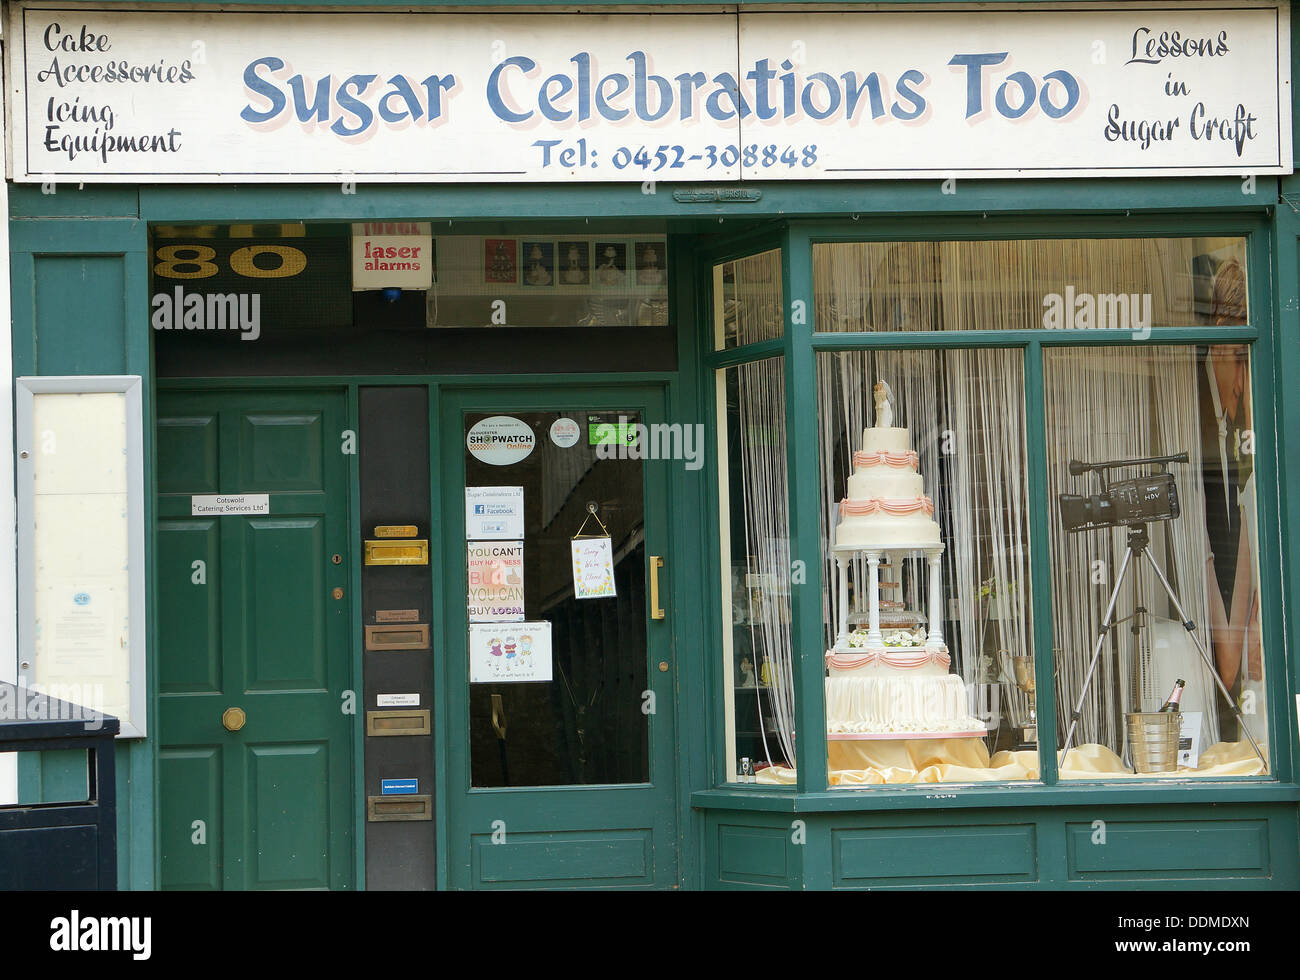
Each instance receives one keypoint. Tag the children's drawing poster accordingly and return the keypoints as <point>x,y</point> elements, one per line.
<point>509,652</point>
<point>593,568</point>
<point>496,581</point>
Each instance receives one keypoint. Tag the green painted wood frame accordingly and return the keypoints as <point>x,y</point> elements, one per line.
<point>114,220</point>
<point>1272,357</point>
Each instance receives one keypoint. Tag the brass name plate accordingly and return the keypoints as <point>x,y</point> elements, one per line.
<point>395,531</point>
<point>398,637</point>
<point>413,722</point>
<point>396,615</point>
<point>397,552</point>
<point>414,807</point>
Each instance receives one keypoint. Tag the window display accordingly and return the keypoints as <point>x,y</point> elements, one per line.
<point>1195,530</point>
<point>747,300</point>
<point>1158,642</point>
<point>926,524</point>
<point>755,534</point>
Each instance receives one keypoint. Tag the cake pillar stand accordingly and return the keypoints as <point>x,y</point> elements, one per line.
<point>934,641</point>
<point>875,639</point>
<point>935,638</point>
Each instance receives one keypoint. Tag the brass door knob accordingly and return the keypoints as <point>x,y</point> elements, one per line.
<point>232,719</point>
<point>663,666</point>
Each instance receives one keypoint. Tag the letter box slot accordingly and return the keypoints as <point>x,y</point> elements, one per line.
<point>414,637</point>
<point>413,722</point>
<point>397,552</point>
<point>417,807</point>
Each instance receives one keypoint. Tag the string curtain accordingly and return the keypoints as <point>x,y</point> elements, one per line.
<point>1102,403</point>
<point>765,484</point>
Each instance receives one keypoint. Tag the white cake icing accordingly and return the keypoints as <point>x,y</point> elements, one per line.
<point>873,687</point>
<point>884,481</point>
<point>898,704</point>
<point>886,504</point>
<point>895,439</point>
<point>885,531</point>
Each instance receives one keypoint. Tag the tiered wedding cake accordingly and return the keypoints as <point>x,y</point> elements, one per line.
<point>892,682</point>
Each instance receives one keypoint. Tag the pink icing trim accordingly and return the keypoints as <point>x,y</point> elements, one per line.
<point>898,506</point>
<point>899,661</point>
<point>897,460</point>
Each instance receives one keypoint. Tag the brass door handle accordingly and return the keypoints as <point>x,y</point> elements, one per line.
<point>498,716</point>
<point>232,719</point>
<point>656,563</point>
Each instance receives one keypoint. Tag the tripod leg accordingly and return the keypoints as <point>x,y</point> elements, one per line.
<point>1191,631</point>
<point>1106,624</point>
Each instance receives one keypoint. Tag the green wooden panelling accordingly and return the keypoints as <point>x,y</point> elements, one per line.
<point>575,811</point>
<point>73,201</point>
<point>1159,207</point>
<point>262,632</point>
<point>1168,848</point>
<point>1029,848</point>
<point>689,507</point>
<point>580,201</point>
<point>190,818</point>
<point>585,859</point>
<point>754,855</point>
<point>102,266</point>
<point>76,295</point>
<point>933,856</point>
<point>1285,302</point>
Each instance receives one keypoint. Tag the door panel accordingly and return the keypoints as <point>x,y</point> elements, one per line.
<point>285,597</point>
<point>259,630</point>
<point>574,786</point>
<point>192,778</point>
<point>189,624</point>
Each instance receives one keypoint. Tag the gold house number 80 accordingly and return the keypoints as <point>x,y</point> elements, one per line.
<point>195,261</point>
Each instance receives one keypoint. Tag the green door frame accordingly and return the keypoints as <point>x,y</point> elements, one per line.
<point>473,813</point>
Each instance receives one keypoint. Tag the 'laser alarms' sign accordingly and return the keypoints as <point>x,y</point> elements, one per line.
<point>99,94</point>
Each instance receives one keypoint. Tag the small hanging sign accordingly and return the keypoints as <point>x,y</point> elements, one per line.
<point>593,560</point>
<point>593,568</point>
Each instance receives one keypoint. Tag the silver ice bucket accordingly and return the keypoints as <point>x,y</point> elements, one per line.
<point>1153,740</point>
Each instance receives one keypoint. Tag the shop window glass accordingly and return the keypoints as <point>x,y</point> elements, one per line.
<point>747,298</point>
<point>929,672</point>
<point>1132,402</point>
<point>755,532</point>
<point>1131,284</point>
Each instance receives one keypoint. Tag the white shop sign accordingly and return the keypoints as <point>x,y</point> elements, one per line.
<point>216,504</point>
<point>106,95</point>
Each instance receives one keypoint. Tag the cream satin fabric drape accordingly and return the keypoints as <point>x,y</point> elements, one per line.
<point>966,760</point>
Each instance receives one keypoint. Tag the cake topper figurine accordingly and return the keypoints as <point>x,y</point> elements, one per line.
<point>882,394</point>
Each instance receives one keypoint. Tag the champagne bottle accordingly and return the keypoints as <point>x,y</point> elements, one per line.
<point>1176,695</point>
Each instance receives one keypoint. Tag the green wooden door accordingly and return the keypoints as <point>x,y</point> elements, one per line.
<point>249,618</point>
<point>566,781</point>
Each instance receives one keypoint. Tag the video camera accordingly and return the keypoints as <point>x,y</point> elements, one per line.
<point>1153,497</point>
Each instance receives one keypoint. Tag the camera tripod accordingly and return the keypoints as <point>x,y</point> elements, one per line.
<point>1139,541</point>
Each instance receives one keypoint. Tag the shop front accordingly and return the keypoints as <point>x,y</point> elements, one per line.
<point>762,448</point>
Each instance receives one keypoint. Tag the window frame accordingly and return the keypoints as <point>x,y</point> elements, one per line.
<point>801,344</point>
